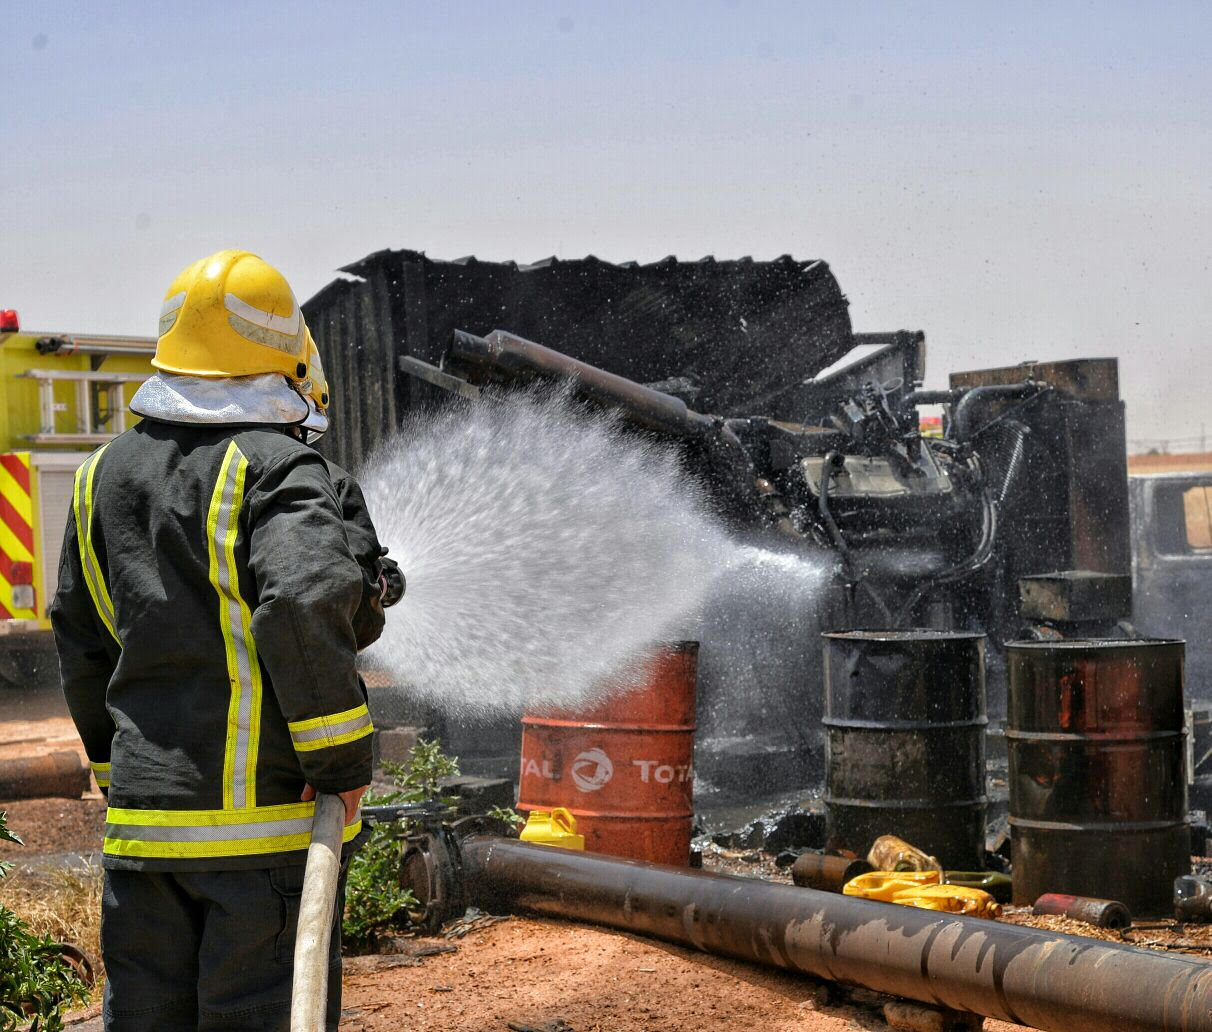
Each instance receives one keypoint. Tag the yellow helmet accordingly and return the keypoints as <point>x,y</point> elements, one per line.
<point>316,386</point>
<point>231,314</point>
<point>315,390</point>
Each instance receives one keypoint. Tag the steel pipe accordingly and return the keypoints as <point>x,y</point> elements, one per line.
<point>963,415</point>
<point>1042,979</point>
<point>826,873</point>
<point>1104,913</point>
<point>58,774</point>
<point>517,358</point>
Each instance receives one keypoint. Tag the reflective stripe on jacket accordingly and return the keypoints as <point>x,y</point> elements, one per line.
<point>205,626</point>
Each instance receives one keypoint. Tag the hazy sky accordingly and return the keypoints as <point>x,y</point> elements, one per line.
<point>1020,181</point>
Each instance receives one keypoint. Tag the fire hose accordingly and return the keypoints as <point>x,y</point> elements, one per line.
<point>433,880</point>
<point>313,938</point>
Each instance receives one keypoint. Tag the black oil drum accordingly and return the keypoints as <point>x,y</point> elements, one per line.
<point>905,725</point>
<point>1098,793</point>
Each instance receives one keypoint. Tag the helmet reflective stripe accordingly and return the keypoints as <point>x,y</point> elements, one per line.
<point>274,331</point>
<point>169,310</point>
<point>270,338</point>
<point>285,324</point>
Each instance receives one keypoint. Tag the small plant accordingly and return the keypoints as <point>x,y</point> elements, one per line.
<point>375,902</point>
<point>508,816</point>
<point>36,983</point>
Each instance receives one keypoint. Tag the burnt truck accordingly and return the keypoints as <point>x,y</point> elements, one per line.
<point>1012,520</point>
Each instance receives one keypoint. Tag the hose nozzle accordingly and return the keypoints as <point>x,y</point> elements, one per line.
<point>394,582</point>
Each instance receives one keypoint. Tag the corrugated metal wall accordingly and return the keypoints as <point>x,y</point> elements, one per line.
<point>737,329</point>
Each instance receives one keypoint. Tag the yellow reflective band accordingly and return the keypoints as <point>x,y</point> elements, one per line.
<point>82,508</point>
<point>208,818</point>
<point>333,740</point>
<point>202,834</point>
<point>235,621</point>
<point>331,730</point>
<point>332,718</point>
<point>101,773</point>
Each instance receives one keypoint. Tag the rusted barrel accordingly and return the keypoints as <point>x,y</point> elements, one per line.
<point>905,720</point>
<point>625,768</point>
<point>58,774</point>
<point>1098,797</point>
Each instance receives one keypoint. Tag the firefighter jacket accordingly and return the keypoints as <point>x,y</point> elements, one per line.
<point>204,622</point>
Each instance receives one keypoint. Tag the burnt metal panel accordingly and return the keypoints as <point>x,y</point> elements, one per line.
<point>1087,379</point>
<point>1070,512</point>
<point>739,330</point>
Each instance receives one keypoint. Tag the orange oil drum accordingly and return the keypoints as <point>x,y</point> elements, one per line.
<point>625,767</point>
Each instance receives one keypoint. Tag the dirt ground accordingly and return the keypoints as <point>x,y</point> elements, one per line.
<point>55,826</point>
<point>36,723</point>
<point>34,727</point>
<point>533,974</point>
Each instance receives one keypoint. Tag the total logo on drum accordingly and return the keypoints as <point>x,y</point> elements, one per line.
<point>592,770</point>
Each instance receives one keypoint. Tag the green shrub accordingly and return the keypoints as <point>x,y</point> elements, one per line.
<point>36,983</point>
<point>375,902</point>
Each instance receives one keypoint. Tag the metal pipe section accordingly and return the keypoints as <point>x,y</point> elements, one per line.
<point>1042,979</point>
<point>961,429</point>
<point>59,774</point>
<point>1104,913</point>
<point>826,873</point>
<point>522,359</point>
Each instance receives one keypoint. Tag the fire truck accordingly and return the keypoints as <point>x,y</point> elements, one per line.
<point>64,395</point>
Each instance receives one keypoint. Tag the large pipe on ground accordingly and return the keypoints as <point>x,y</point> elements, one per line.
<point>1042,979</point>
<point>59,774</point>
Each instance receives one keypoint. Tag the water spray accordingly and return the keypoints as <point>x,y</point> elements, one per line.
<point>547,548</point>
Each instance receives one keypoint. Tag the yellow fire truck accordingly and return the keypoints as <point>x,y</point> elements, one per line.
<point>64,394</point>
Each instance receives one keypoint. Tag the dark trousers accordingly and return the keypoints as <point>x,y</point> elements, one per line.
<point>192,952</point>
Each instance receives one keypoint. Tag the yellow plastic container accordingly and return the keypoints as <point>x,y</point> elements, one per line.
<point>954,899</point>
<point>555,827</point>
<point>921,889</point>
<point>884,885</point>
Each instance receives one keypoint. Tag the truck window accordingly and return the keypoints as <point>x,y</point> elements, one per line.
<point>1197,508</point>
<point>1183,518</point>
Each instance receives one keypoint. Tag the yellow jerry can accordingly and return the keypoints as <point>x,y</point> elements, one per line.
<point>555,827</point>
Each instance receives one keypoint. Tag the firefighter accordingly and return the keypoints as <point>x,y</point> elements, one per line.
<point>205,627</point>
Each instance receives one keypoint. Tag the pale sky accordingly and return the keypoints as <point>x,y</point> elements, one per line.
<point>1019,181</point>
